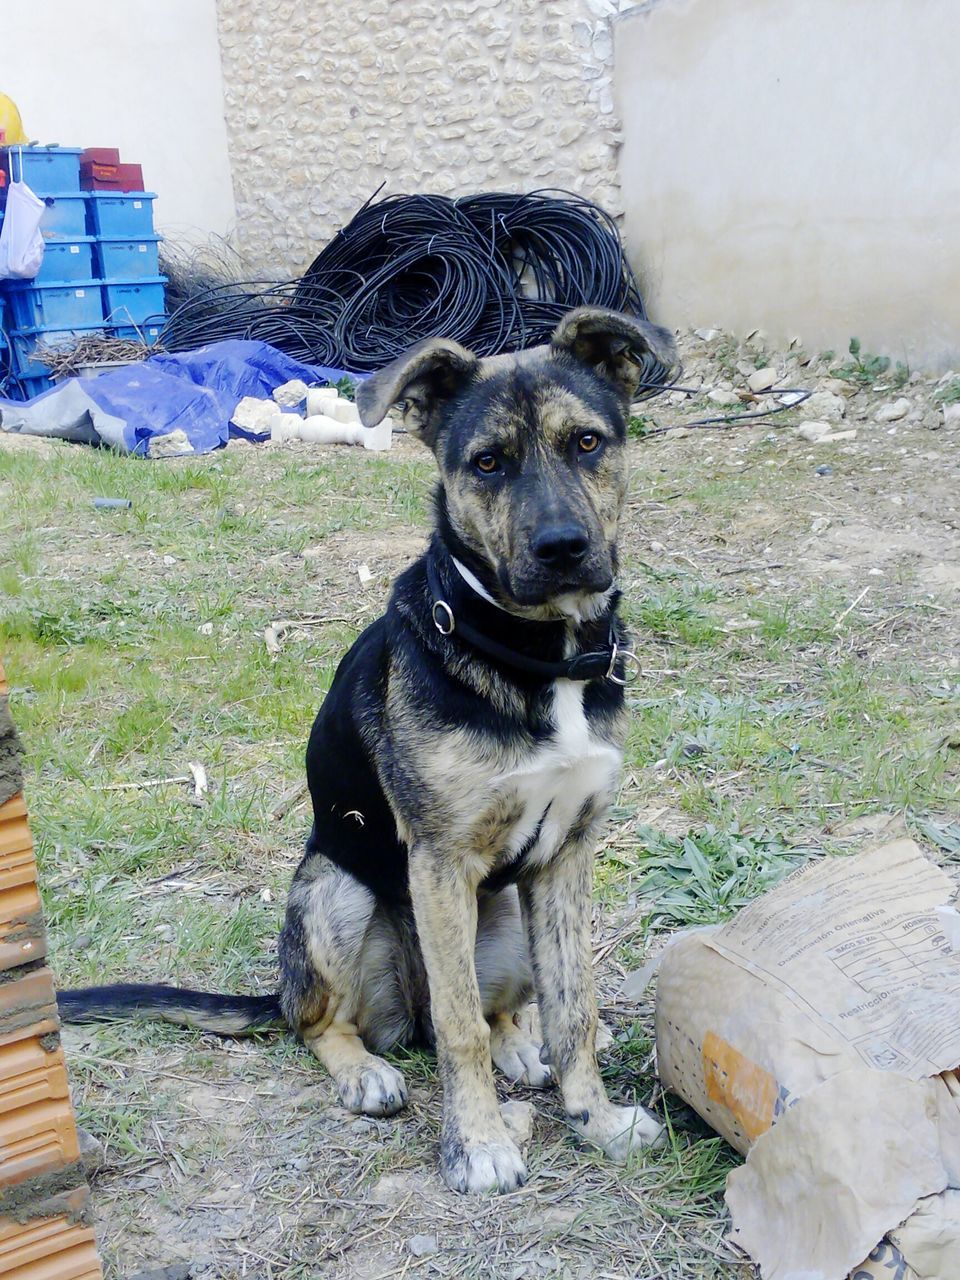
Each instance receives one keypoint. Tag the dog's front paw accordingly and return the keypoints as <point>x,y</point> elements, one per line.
<point>372,1088</point>
<point>483,1167</point>
<point>619,1131</point>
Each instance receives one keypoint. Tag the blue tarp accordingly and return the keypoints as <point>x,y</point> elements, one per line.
<point>193,392</point>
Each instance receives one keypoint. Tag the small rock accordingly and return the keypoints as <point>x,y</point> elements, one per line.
<point>812,431</point>
<point>839,387</point>
<point>824,471</point>
<point>820,524</point>
<point>179,1271</point>
<point>205,628</point>
<point>253,414</point>
<point>894,411</point>
<point>835,437</point>
<point>951,416</point>
<point>658,547</point>
<point>762,379</point>
<point>676,433</point>
<point>723,397</point>
<point>168,560</point>
<point>518,1117</point>
<point>291,394</point>
<point>423,1246</point>
<point>364,574</point>
<point>792,397</point>
<point>706,335</point>
<point>932,420</point>
<point>825,406</point>
<point>93,1157</point>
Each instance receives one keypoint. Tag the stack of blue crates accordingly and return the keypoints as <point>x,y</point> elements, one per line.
<point>100,272</point>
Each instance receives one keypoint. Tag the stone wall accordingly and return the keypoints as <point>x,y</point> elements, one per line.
<point>324,101</point>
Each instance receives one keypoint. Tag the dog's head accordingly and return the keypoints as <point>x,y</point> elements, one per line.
<point>531,452</point>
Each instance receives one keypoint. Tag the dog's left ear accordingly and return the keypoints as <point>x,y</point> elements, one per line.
<point>424,379</point>
<point>613,344</point>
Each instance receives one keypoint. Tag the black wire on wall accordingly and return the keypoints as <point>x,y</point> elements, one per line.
<point>495,272</point>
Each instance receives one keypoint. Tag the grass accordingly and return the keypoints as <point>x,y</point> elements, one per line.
<point>770,709</point>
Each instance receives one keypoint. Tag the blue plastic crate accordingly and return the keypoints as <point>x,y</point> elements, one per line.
<point>146,333</point>
<point>128,302</point>
<point>67,260</point>
<point>54,305</point>
<point>45,168</point>
<point>23,347</point>
<point>121,259</point>
<point>31,387</point>
<point>114,214</point>
<point>65,215</point>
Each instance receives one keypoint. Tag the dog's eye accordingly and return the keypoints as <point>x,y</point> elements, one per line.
<point>589,442</point>
<point>487,462</point>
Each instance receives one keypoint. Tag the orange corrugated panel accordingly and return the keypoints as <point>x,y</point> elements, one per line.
<point>30,1073</point>
<point>47,1249</point>
<point>28,1005</point>
<point>38,1136</point>
<point>37,1139</point>
<point>22,938</point>
<point>17,865</point>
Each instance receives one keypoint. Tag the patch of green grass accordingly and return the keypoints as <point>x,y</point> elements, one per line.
<point>865,369</point>
<point>949,393</point>
<point>707,875</point>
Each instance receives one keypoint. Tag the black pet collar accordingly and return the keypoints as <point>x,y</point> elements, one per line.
<point>601,664</point>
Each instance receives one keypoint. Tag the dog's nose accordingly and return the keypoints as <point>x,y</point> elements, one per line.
<point>560,544</point>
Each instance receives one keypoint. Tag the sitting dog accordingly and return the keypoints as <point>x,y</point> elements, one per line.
<point>463,761</point>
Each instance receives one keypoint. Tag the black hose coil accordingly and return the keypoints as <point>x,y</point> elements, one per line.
<point>495,272</point>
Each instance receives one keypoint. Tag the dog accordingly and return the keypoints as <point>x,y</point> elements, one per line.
<point>463,761</point>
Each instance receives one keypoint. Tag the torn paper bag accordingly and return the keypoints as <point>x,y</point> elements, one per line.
<point>818,1030</point>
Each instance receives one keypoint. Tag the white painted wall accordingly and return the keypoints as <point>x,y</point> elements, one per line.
<point>142,75</point>
<point>796,166</point>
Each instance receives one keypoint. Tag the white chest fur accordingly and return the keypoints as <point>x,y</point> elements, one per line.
<point>554,782</point>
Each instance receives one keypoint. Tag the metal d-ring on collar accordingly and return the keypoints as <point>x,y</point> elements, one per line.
<point>631,665</point>
<point>600,664</point>
<point>443,618</point>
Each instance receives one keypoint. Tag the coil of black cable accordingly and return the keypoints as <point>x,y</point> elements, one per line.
<point>494,271</point>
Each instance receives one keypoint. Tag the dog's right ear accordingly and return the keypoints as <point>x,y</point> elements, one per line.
<point>424,379</point>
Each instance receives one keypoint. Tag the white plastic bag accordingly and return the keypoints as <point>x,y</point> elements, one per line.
<point>21,244</point>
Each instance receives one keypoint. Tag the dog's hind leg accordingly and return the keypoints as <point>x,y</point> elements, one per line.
<point>321,951</point>
<point>506,988</point>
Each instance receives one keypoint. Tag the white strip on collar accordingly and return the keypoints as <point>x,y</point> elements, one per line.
<point>473,581</point>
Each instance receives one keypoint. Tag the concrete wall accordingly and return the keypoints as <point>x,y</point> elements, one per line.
<point>797,167</point>
<point>141,75</point>
<point>326,100</point>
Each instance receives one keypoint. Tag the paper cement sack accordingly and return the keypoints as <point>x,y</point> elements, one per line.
<point>818,1031</point>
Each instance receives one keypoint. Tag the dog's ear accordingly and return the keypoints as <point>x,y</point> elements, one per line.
<point>614,345</point>
<point>424,379</point>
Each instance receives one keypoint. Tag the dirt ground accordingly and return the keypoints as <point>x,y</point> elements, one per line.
<point>796,612</point>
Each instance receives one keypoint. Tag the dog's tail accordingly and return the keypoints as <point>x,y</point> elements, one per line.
<point>225,1015</point>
